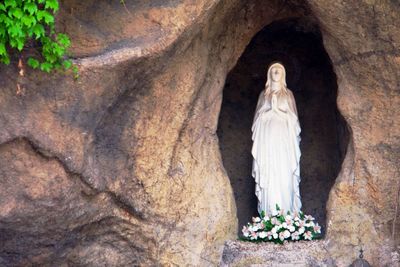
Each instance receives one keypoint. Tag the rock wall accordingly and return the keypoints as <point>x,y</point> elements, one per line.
<point>363,42</point>
<point>122,167</point>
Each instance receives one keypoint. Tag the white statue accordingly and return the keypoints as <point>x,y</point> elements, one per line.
<point>276,151</point>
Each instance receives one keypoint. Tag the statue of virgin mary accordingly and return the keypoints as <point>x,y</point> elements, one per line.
<point>276,151</point>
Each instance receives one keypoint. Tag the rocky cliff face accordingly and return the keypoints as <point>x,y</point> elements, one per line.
<point>122,166</point>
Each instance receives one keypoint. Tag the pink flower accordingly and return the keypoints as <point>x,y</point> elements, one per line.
<point>300,224</point>
<point>288,221</point>
<point>245,231</point>
<point>307,235</point>
<point>295,236</point>
<point>317,228</point>
<point>275,221</point>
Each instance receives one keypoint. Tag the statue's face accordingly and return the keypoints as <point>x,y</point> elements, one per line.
<point>276,74</point>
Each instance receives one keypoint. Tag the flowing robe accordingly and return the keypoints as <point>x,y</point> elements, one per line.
<point>276,152</point>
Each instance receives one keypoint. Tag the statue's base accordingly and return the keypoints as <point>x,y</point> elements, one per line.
<point>299,254</point>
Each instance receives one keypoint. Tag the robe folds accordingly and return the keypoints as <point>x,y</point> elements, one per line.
<point>276,152</point>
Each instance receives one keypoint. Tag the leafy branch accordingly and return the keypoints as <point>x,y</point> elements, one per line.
<point>25,20</point>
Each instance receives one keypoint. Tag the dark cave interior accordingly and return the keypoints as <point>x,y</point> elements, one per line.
<point>298,45</point>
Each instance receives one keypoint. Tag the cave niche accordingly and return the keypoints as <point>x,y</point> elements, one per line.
<point>297,43</point>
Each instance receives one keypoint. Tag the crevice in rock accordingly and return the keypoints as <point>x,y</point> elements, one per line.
<point>88,189</point>
<point>367,54</point>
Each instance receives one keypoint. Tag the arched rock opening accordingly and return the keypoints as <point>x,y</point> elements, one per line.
<point>297,43</point>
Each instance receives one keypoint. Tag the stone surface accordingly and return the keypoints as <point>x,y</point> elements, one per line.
<point>122,167</point>
<point>302,254</point>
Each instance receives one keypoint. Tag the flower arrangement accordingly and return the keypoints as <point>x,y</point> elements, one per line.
<point>280,228</point>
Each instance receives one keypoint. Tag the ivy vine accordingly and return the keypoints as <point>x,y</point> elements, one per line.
<point>24,21</point>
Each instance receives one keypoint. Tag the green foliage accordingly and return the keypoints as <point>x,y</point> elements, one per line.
<point>23,20</point>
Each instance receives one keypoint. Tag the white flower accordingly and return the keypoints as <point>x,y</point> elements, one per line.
<point>275,235</point>
<point>301,230</point>
<point>262,234</point>
<point>254,228</point>
<point>295,236</point>
<point>296,216</point>
<point>308,218</point>
<point>274,221</point>
<point>288,220</point>
<point>284,225</point>
<point>281,236</point>
<point>274,229</point>
<point>274,212</point>
<point>256,219</point>
<point>307,235</point>
<point>266,218</point>
<point>286,234</point>
<point>288,217</point>
<point>309,224</point>
<point>297,223</point>
<point>245,231</point>
<point>291,228</point>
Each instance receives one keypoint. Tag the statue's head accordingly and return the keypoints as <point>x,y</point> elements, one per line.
<point>276,73</point>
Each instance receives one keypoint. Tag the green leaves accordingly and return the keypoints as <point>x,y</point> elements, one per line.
<point>15,30</point>
<point>38,30</point>
<point>46,66</point>
<point>31,8</point>
<point>21,20</point>
<point>15,12</point>
<point>67,64</point>
<point>45,17</point>
<point>51,4</point>
<point>34,63</point>
<point>63,40</point>
<point>3,50</point>
<point>10,3</point>
<point>28,20</point>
